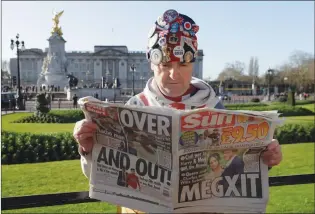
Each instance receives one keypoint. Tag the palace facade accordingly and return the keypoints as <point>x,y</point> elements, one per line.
<point>89,67</point>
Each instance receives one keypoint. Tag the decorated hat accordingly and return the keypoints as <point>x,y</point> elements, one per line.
<point>172,39</point>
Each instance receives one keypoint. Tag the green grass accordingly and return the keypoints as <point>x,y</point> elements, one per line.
<point>95,207</point>
<point>291,199</point>
<point>300,120</point>
<point>66,176</point>
<point>7,125</point>
<point>297,159</point>
<point>310,107</point>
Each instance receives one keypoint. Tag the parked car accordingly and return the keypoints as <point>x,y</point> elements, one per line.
<point>6,97</point>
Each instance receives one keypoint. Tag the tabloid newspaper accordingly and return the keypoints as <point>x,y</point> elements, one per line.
<point>166,160</point>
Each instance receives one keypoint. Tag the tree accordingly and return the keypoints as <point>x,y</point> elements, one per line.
<point>256,67</point>
<point>232,71</point>
<point>251,67</point>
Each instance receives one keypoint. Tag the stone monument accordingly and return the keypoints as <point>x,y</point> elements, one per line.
<point>54,67</point>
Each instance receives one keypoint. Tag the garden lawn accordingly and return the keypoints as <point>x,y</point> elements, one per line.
<point>297,159</point>
<point>7,125</point>
<point>291,199</point>
<point>309,107</point>
<point>66,176</point>
<point>303,120</point>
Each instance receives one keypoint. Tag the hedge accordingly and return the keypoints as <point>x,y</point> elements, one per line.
<point>244,105</point>
<point>285,110</point>
<point>295,133</point>
<point>55,116</point>
<point>31,148</point>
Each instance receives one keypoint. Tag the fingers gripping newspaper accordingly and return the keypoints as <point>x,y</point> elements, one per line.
<point>166,160</point>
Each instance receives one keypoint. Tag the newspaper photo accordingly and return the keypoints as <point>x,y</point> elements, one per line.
<point>155,159</point>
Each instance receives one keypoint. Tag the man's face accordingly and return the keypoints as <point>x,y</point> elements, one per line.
<point>173,78</point>
<point>228,154</point>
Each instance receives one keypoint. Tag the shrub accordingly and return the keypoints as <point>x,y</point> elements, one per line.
<point>41,104</point>
<point>34,148</point>
<point>244,105</point>
<point>55,116</point>
<point>295,133</point>
<point>69,116</point>
<point>285,110</point>
<point>42,118</point>
<point>255,100</point>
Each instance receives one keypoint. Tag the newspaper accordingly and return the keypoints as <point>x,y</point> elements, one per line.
<point>179,161</point>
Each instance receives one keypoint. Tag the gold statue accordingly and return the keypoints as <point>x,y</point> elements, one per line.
<point>56,28</point>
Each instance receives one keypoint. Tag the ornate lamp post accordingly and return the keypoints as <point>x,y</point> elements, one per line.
<point>133,69</point>
<point>270,73</point>
<point>17,43</point>
<point>285,83</point>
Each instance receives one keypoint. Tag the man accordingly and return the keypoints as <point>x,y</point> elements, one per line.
<point>75,101</point>
<point>234,166</point>
<point>133,180</point>
<point>215,137</point>
<point>172,49</point>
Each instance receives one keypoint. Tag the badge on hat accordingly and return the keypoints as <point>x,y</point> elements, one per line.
<point>178,51</point>
<point>173,39</point>
<point>174,27</point>
<point>195,28</point>
<point>170,15</point>
<point>152,31</point>
<point>156,56</point>
<point>162,41</point>
<point>195,44</point>
<point>166,54</point>
<point>180,19</point>
<point>188,56</point>
<point>153,40</point>
<point>186,33</point>
<point>187,26</point>
<point>160,21</point>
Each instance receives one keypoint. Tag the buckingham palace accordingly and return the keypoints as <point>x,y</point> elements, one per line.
<point>89,67</point>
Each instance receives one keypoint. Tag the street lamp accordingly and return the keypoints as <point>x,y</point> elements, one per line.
<point>19,101</point>
<point>270,72</point>
<point>285,85</point>
<point>133,69</point>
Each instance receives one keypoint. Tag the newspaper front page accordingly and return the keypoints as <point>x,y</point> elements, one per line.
<point>165,160</point>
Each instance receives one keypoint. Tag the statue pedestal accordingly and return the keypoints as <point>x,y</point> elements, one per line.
<point>56,79</point>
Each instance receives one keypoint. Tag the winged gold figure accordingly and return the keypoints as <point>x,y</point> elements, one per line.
<point>56,28</point>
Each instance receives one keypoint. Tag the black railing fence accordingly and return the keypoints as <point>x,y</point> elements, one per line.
<point>32,201</point>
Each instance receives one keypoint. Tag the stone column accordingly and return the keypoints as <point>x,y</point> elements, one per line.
<point>98,71</point>
<point>113,67</point>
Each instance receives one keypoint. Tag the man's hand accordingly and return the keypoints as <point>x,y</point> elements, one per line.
<point>83,133</point>
<point>273,155</point>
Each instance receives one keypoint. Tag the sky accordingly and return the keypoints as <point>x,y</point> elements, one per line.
<point>229,31</point>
